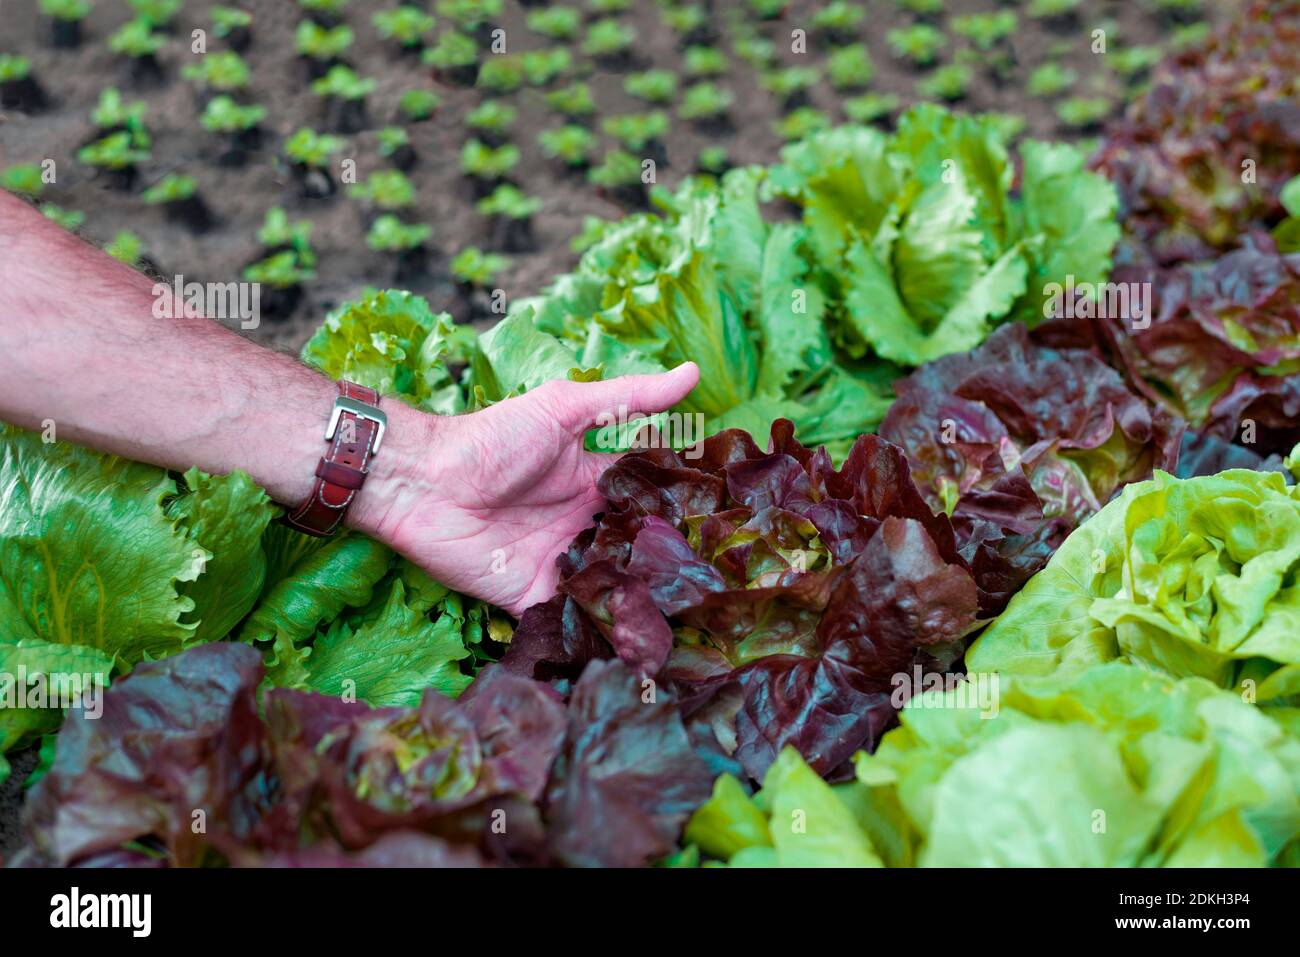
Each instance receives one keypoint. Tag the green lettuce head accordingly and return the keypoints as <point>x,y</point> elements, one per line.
<point>1115,766</point>
<point>1193,577</point>
<point>711,281</point>
<point>926,245</point>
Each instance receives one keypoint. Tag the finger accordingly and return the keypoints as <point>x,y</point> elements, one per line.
<point>627,396</point>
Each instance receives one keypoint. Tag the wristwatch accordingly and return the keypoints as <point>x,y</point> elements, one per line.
<point>354,433</point>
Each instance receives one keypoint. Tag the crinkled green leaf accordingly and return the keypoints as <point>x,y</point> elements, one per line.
<point>1112,766</point>
<point>225,516</point>
<point>57,672</point>
<point>392,342</point>
<point>88,555</point>
<point>389,659</point>
<point>1188,576</point>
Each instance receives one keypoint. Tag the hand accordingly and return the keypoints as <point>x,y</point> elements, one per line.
<point>485,502</point>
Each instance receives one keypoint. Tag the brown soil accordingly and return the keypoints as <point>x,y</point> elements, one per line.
<point>240,197</point>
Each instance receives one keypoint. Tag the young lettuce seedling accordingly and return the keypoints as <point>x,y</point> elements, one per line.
<point>1050,79</point>
<point>767,9</point>
<point>281,277</point>
<point>573,101</point>
<point>542,67</point>
<point>395,146</point>
<point>405,24</point>
<point>418,104</point>
<point>492,120</point>
<point>122,142</point>
<point>948,82</point>
<point>177,195</point>
<point>640,133</point>
<point>65,21</point>
<point>158,14</point>
<point>791,85</point>
<point>345,98</point>
<point>986,30</point>
<point>69,219</point>
<point>322,47</point>
<point>471,16</point>
<point>609,42</point>
<point>653,86</point>
<point>126,247</point>
<point>287,261</point>
<point>503,73</point>
<point>571,144</point>
<point>454,59</point>
<point>1083,113</point>
<point>221,72</point>
<point>702,62</point>
<point>237,125</point>
<point>139,43</point>
<point>233,25</point>
<point>473,267</point>
<point>18,88</point>
<point>850,67</point>
<point>706,105</point>
<point>618,177</point>
<point>800,123</point>
<point>1059,14</point>
<point>24,179</point>
<point>116,156</point>
<point>309,155</point>
<point>692,23</point>
<point>386,190</point>
<point>713,161</point>
<point>279,233</point>
<point>512,218</point>
<point>870,107</point>
<point>388,234</point>
<point>758,51</point>
<point>838,21</point>
<point>919,44</point>
<point>557,23</point>
<point>487,167</point>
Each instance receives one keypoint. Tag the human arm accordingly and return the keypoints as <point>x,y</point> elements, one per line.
<point>483,502</point>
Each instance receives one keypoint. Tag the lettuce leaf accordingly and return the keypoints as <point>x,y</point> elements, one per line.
<point>925,245</point>
<point>392,342</point>
<point>713,282</point>
<point>1113,766</point>
<point>1192,577</point>
<point>1185,193</point>
<point>1018,433</point>
<point>509,773</point>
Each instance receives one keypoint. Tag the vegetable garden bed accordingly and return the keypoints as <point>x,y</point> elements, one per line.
<point>934,449</point>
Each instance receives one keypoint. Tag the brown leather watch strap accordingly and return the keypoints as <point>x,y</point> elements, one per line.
<point>356,427</point>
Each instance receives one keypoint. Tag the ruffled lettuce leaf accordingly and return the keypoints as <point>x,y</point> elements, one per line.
<point>1194,577</point>
<point>1114,766</point>
<point>1019,434</point>
<point>89,555</point>
<point>776,594</point>
<point>924,243</point>
<point>713,282</point>
<point>392,342</point>
<point>1185,194</point>
<point>509,773</point>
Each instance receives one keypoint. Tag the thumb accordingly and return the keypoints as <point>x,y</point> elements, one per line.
<point>632,394</point>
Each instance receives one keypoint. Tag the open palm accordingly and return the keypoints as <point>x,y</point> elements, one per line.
<point>504,490</point>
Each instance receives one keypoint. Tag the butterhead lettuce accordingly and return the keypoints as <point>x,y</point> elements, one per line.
<point>1191,577</point>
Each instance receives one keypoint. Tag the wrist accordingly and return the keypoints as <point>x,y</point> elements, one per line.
<point>396,479</point>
